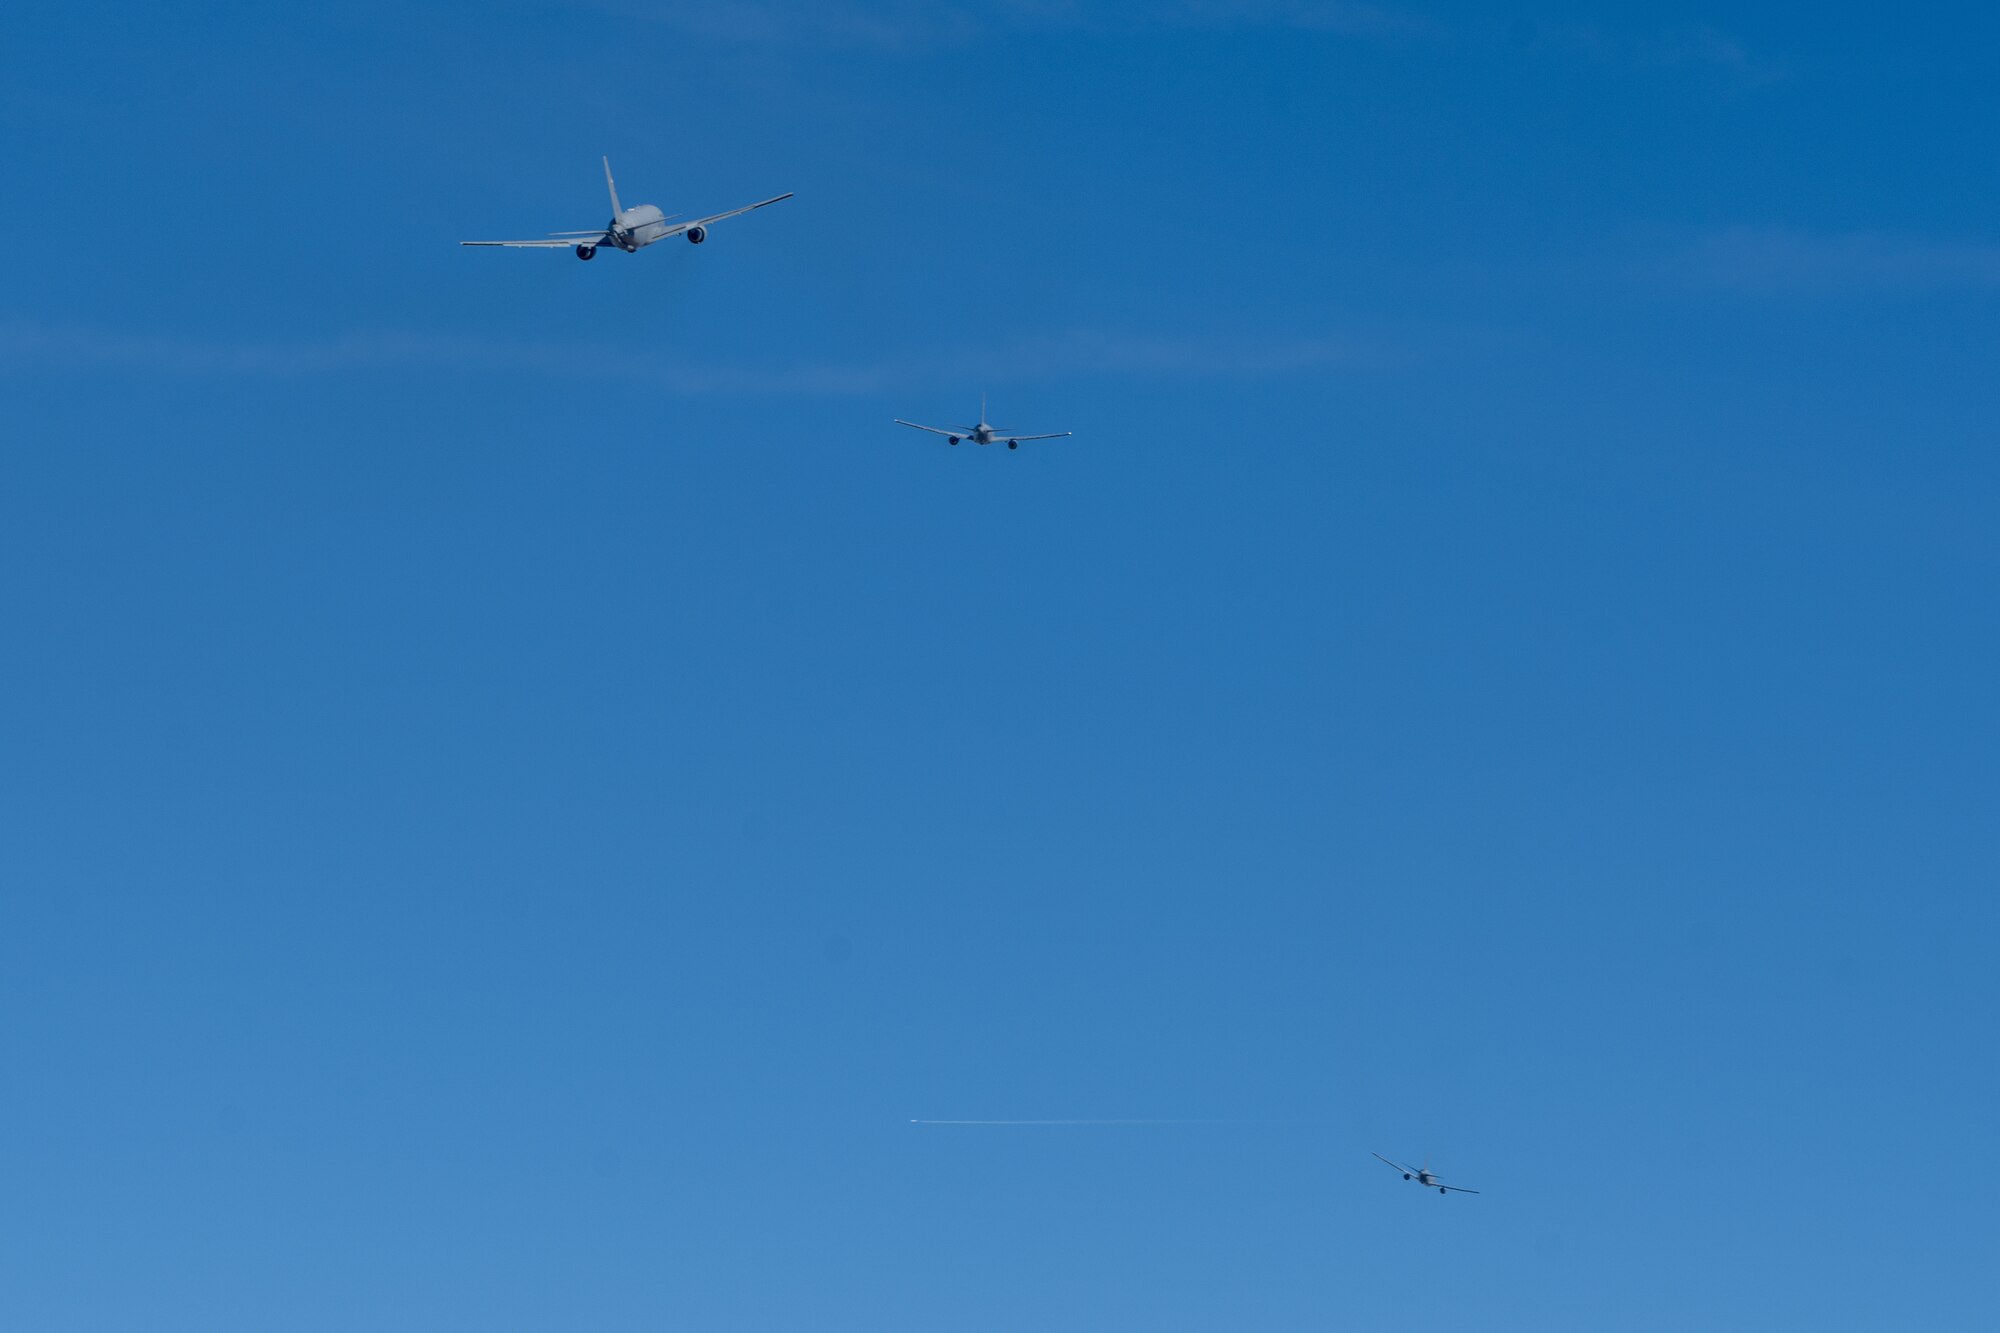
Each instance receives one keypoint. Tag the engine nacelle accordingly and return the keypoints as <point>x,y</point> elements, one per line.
<point>586,252</point>
<point>696,235</point>
<point>952,438</point>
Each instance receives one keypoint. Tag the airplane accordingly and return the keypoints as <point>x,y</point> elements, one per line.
<point>982,433</point>
<point>1422,1175</point>
<point>629,228</point>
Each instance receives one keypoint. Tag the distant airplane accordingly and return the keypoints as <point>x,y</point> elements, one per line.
<point>629,228</point>
<point>1422,1175</point>
<point>982,433</point>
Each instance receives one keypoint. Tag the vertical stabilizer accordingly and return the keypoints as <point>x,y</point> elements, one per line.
<point>982,409</point>
<point>612,186</point>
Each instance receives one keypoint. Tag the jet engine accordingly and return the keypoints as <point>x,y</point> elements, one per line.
<point>696,235</point>
<point>586,252</point>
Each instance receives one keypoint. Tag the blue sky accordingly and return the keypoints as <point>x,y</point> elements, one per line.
<point>520,782</point>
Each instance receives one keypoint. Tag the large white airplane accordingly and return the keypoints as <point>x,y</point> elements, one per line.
<point>982,433</point>
<point>1422,1175</point>
<point>629,228</point>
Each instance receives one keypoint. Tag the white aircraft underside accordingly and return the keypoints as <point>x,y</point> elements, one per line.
<point>1422,1175</point>
<point>630,229</point>
<point>982,433</point>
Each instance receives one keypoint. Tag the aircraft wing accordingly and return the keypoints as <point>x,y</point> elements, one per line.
<point>1458,1189</point>
<point>576,239</point>
<point>680,227</point>
<point>961,434</point>
<point>1398,1165</point>
<point>1057,436</point>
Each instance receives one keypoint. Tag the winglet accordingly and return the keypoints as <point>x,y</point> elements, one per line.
<point>612,186</point>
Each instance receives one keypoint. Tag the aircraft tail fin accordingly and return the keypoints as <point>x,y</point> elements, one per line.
<point>612,186</point>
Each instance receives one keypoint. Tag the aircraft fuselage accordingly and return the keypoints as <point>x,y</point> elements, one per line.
<point>637,226</point>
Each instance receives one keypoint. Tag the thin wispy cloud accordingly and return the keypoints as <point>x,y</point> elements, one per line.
<point>1772,259</point>
<point>29,345</point>
<point>893,26</point>
<point>917,26</point>
<point>1335,16</point>
<point>1700,49</point>
<point>896,25</point>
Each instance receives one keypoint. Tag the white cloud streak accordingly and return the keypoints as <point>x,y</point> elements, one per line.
<point>1336,16</point>
<point>926,25</point>
<point>1774,259</point>
<point>895,25</point>
<point>1700,49</point>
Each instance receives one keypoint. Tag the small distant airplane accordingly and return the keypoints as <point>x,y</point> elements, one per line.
<point>982,433</point>
<point>1422,1175</point>
<point>629,228</point>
